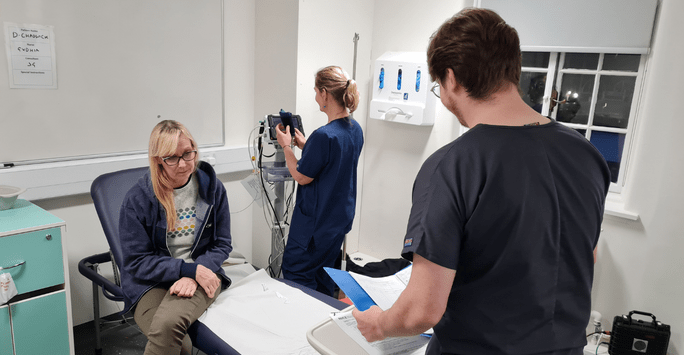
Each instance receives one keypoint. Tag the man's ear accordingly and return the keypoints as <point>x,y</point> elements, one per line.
<point>450,82</point>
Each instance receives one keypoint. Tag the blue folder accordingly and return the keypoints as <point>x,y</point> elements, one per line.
<point>351,288</point>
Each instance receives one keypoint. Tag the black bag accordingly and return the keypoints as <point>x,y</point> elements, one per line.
<point>637,337</point>
<point>382,268</point>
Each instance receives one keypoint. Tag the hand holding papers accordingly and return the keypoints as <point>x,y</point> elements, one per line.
<point>400,345</point>
<point>367,291</point>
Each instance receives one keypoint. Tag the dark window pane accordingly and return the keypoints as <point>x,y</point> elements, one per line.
<point>581,61</point>
<point>610,145</point>
<point>535,59</point>
<point>614,101</point>
<point>621,62</point>
<point>532,88</point>
<point>575,98</point>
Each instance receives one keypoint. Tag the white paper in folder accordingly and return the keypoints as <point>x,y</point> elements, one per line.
<point>384,290</point>
<point>414,345</point>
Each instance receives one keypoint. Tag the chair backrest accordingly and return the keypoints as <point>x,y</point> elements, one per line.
<point>108,192</point>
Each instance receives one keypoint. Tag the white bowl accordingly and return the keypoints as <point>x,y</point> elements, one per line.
<point>9,194</point>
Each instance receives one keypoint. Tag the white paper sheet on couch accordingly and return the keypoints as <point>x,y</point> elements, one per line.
<point>259,315</point>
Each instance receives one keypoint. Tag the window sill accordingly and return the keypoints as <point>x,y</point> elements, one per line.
<point>615,206</point>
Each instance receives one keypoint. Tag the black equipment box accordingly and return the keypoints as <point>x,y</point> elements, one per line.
<point>637,337</point>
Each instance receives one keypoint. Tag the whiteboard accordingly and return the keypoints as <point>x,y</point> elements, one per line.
<point>122,66</point>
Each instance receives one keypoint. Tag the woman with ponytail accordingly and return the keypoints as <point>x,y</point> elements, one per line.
<point>326,174</point>
<point>175,235</point>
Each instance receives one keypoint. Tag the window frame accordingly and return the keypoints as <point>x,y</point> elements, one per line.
<point>555,72</point>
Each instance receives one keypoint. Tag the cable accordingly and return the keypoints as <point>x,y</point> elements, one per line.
<point>599,342</point>
<point>275,213</point>
<point>134,325</point>
<point>252,145</point>
<point>599,346</point>
<point>242,210</point>
<point>280,247</point>
<point>606,332</point>
<point>288,203</point>
<point>256,147</point>
<point>271,260</point>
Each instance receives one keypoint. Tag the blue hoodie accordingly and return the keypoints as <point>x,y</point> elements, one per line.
<point>147,262</point>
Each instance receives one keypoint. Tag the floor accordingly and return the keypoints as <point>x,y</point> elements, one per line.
<point>117,338</point>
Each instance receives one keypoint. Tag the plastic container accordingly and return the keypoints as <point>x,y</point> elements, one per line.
<point>8,195</point>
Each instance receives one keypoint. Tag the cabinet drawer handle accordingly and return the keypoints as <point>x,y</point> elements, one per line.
<point>13,266</point>
<point>48,237</point>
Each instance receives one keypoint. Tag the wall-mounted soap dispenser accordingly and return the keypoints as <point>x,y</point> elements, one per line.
<point>406,98</point>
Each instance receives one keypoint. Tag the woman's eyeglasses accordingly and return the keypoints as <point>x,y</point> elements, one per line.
<point>174,160</point>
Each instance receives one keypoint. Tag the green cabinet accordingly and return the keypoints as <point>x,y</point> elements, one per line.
<point>38,319</point>
<point>5,331</point>
<point>41,323</point>
<point>41,255</point>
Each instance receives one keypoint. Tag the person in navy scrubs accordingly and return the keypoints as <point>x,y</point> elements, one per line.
<point>504,219</point>
<point>326,177</point>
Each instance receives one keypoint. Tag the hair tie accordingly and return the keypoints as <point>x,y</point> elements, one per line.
<point>348,81</point>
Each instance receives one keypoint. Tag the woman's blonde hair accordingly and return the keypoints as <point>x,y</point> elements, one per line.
<point>163,143</point>
<point>337,83</point>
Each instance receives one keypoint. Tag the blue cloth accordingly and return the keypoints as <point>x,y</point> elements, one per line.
<point>142,227</point>
<point>517,212</point>
<point>325,208</point>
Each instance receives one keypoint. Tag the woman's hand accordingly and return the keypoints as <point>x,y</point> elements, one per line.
<point>283,135</point>
<point>299,138</point>
<point>207,279</point>
<point>185,287</point>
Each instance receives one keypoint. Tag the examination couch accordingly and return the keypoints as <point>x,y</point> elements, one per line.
<point>108,191</point>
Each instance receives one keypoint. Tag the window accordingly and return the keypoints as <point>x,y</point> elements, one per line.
<point>593,93</point>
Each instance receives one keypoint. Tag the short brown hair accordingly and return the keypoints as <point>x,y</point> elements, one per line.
<point>480,48</point>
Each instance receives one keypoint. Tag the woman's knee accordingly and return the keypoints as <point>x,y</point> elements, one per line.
<point>168,327</point>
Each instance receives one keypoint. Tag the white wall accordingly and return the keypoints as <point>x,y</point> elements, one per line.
<point>640,262</point>
<point>326,33</point>
<point>394,152</point>
<point>275,74</point>
<point>84,233</point>
<point>239,53</point>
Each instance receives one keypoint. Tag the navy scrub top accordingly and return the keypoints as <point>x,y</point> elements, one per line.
<point>326,206</point>
<point>517,212</point>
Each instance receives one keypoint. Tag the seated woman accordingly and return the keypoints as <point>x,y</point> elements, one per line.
<point>175,234</point>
